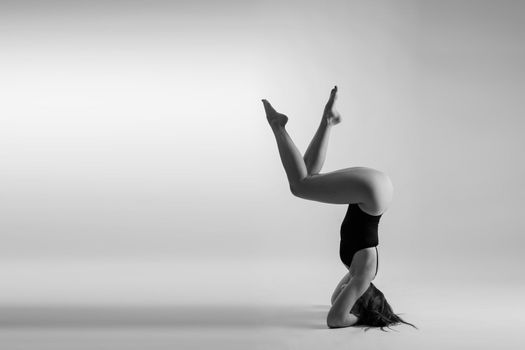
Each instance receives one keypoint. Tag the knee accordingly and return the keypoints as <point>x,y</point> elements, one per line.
<point>294,189</point>
<point>297,188</point>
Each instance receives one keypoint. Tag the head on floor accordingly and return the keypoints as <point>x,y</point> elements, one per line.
<point>373,310</point>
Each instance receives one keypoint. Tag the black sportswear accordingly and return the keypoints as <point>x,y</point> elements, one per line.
<point>358,231</point>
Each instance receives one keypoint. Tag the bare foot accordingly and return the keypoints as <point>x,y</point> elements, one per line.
<point>274,118</point>
<point>331,116</point>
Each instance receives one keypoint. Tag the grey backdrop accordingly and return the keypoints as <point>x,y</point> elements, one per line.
<point>133,131</point>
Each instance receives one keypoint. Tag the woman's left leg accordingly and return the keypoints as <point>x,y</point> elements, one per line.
<point>338,187</point>
<point>315,154</point>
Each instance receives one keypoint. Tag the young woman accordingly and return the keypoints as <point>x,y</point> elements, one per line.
<point>368,193</point>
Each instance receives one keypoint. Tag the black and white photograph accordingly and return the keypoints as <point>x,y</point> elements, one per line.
<point>262,174</point>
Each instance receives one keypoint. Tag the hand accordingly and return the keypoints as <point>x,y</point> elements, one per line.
<point>330,115</point>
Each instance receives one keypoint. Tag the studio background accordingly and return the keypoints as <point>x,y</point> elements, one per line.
<point>138,167</point>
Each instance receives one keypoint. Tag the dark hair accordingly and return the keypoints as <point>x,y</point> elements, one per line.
<point>373,310</point>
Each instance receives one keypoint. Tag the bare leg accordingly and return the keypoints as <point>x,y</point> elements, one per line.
<point>350,185</point>
<point>315,154</point>
<point>290,157</point>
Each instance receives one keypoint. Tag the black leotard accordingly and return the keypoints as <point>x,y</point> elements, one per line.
<point>358,231</point>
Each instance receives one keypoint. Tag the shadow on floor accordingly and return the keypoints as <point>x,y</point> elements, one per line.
<point>169,316</point>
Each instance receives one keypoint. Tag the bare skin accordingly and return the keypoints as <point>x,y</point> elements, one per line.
<point>371,189</point>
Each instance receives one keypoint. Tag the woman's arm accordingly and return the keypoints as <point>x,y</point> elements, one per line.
<point>339,314</point>
<point>340,286</point>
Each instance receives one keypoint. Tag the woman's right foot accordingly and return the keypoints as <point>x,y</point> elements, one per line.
<point>274,118</point>
<point>330,115</point>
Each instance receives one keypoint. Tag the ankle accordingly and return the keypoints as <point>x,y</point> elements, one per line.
<point>276,127</point>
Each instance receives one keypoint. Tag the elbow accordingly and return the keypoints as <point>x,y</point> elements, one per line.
<point>338,320</point>
<point>333,322</point>
<point>332,319</point>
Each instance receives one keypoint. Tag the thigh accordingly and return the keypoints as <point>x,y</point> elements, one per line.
<point>344,186</point>
<point>370,188</point>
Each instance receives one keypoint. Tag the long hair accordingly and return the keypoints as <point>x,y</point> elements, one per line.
<point>373,310</point>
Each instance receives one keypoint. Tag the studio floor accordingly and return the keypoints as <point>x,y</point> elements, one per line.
<point>155,305</point>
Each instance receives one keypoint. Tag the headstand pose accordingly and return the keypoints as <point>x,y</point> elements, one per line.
<point>368,193</point>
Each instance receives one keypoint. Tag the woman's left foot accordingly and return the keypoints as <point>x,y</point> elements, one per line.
<point>330,115</point>
<point>274,118</point>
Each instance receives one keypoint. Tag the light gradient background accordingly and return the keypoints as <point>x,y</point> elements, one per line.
<point>143,203</point>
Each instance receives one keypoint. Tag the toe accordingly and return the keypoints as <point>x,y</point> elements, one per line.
<point>268,107</point>
<point>331,99</point>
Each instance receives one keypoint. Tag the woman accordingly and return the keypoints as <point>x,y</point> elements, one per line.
<point>368,193</point>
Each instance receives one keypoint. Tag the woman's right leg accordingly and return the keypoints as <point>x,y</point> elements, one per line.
<point>350,185</point>
<point>338,187</point>
<point>370,188</point>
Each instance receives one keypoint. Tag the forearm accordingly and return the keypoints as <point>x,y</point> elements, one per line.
<point>339,315</point>
<point>336,293</point>
<point>355,288</point>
